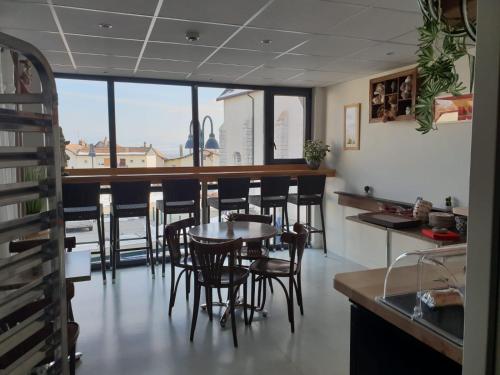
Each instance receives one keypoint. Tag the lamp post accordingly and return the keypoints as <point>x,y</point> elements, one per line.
<point>92,153</point>
<point>211,144</point>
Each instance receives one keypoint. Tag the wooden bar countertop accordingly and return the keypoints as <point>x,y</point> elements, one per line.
<point>363,287</point>
<point>204,174</point>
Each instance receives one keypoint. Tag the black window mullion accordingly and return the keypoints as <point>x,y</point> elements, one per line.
<point>112,124</point>
<point>196,126</point>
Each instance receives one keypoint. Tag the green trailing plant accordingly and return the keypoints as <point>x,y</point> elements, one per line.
<point>315,151</point>
<point>437,55</point>
<point>33,174</point>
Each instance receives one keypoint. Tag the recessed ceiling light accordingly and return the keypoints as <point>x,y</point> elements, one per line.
<point>266,42</point>
<point>105,26</point>
<point>192,36</point>
<point>390,53</point>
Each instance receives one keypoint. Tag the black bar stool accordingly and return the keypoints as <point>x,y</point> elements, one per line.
<point>310,191</point>
<point>129,199</point>
<point>273,194</point>
<point>179,197</point>
<point>233,196</point>
<point>81,202</point>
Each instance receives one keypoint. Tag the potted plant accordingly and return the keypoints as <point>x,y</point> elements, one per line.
<point>315,152</point>
<point>230,218</point>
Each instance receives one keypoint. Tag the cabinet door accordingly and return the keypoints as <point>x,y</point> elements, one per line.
<point>401,244</point>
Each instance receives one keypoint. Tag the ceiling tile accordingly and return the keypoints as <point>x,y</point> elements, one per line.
<point>28,16</point>
<point>104,61</point>
<point>175,31</point>
<point>406,5</point>
<point>167,65</point>
<point>57,58</point>
<point>400,53</point>
<point>333,46</point>
<point>221,11</point>
<point>211,78</point>
<point>241,57</point>
<point>250,38</point>
<point>313,75</point>
<point>159,75</point>
<point>354,2</point>
<point>408,38</point>
<point>146,7</point>
<point>306,16</point>
<point>378,24</point>
<point>296,61</point>
<point>41,40</point>
<point>177,51</point>
<point>86,22</point>
<point>107,46</point>
<point>270,73</point>
<point>358,66</point>
<point>223,70</point>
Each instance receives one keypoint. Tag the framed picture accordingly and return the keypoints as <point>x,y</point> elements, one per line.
<point>453,109</point>
<point>352,116</point>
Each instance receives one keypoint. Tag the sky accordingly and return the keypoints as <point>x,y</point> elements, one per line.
<point>156,114</point>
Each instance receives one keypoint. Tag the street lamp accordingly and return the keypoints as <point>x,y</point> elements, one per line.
<point>211,144</point>
<point>92,153</point>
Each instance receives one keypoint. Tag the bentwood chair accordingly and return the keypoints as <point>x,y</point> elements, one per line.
<point>310,191</point>
<point>178,258</point>
<point>179,197</point>
<point>278,269</point>
<point>232,195</point>
<point>81,202</point>
<point>211,272</point>
<point>129,199</point>
<point>273,194</point>
<point>253,250</point>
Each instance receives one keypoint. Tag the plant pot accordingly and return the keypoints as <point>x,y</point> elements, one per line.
<point>230,228</point>
<point>313,164</point>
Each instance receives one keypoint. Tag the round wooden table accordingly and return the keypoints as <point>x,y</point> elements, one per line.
<point>219,232</point>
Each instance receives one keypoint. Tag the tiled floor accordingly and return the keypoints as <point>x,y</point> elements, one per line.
<point>125,328</point>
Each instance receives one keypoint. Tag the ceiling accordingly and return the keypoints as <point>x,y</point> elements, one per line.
<point>314,42</point>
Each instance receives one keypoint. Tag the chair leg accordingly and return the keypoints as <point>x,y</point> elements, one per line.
<point>172,290</point>
<point>245,299</point>
<point>113,246</point>
<point>157,217</point>
<point>196,307</point>
<point>298,212</point>
<point>72,360</point>
<point>290,304</point>
<point>164,256</point>
<point>102,254</point>
<point>271,285</point>
<point>208,297</point>
<point>150,245</point>
<point>252,298</point>
<point>323,227</point>
<point>220,215</point>
<point>188,284</point>
<point>71,317</point>
<point>299,294</point>
<point>232,298</point>
<point>286,216</point>
<point>219,295</point>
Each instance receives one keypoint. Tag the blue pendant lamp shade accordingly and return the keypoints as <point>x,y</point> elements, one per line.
<point>212,143</point>
<point>189,143</point>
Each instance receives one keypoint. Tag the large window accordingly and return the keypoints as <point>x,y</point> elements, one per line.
<point>231,126</point>
<point>152,125</point>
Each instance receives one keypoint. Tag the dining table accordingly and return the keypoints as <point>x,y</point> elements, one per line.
<point>227,231</point>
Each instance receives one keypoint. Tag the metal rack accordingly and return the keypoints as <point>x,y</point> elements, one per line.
<point>33,306</point>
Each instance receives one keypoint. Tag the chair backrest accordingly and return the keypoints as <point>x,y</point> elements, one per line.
<point>296,244</point>
<point>173,233</point>
<point>134,192</point>
<point>81,195</point>
<point>275,186</point>
<point>264,219</point>
<point>209,258</point>
<point>233,188</point>
<point>181,190</point>
<point>311,185</point>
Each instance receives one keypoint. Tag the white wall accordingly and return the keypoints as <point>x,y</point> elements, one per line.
<point>397,161</point>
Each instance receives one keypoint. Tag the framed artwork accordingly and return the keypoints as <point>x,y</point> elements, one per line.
<point>453,109</point>
<point>352,117</point>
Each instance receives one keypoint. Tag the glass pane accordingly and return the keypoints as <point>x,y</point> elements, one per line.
<point>152,125</point>
<point>231,126</point>
<point>289,126</point>
<point>83,117</point>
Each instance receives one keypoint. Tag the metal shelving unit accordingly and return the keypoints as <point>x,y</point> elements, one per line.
<point>33,306</point>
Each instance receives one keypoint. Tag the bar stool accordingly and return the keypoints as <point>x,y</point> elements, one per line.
<point>273,194</point>
<point>310,191</point>
<point>81,202</point>
<point>233,195</point>
<point>179,197</point>
<point>129,199</point>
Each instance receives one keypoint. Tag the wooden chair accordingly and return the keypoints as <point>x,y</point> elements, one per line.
<point>178,259</point>
<point>232,195</point>
<point>278,269</point>
<point>210,272</point>
<point>253,250</point>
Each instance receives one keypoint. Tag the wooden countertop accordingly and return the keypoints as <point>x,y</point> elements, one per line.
<point>412,232</point>
<point>204,174</point>
<point>363,287</point>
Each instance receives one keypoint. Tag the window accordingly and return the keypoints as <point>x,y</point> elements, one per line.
<point>152,124</point>
<point>83,116</point>
<point>231,126</point>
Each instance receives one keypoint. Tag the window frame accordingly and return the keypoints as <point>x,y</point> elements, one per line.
<point>269,93</point>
